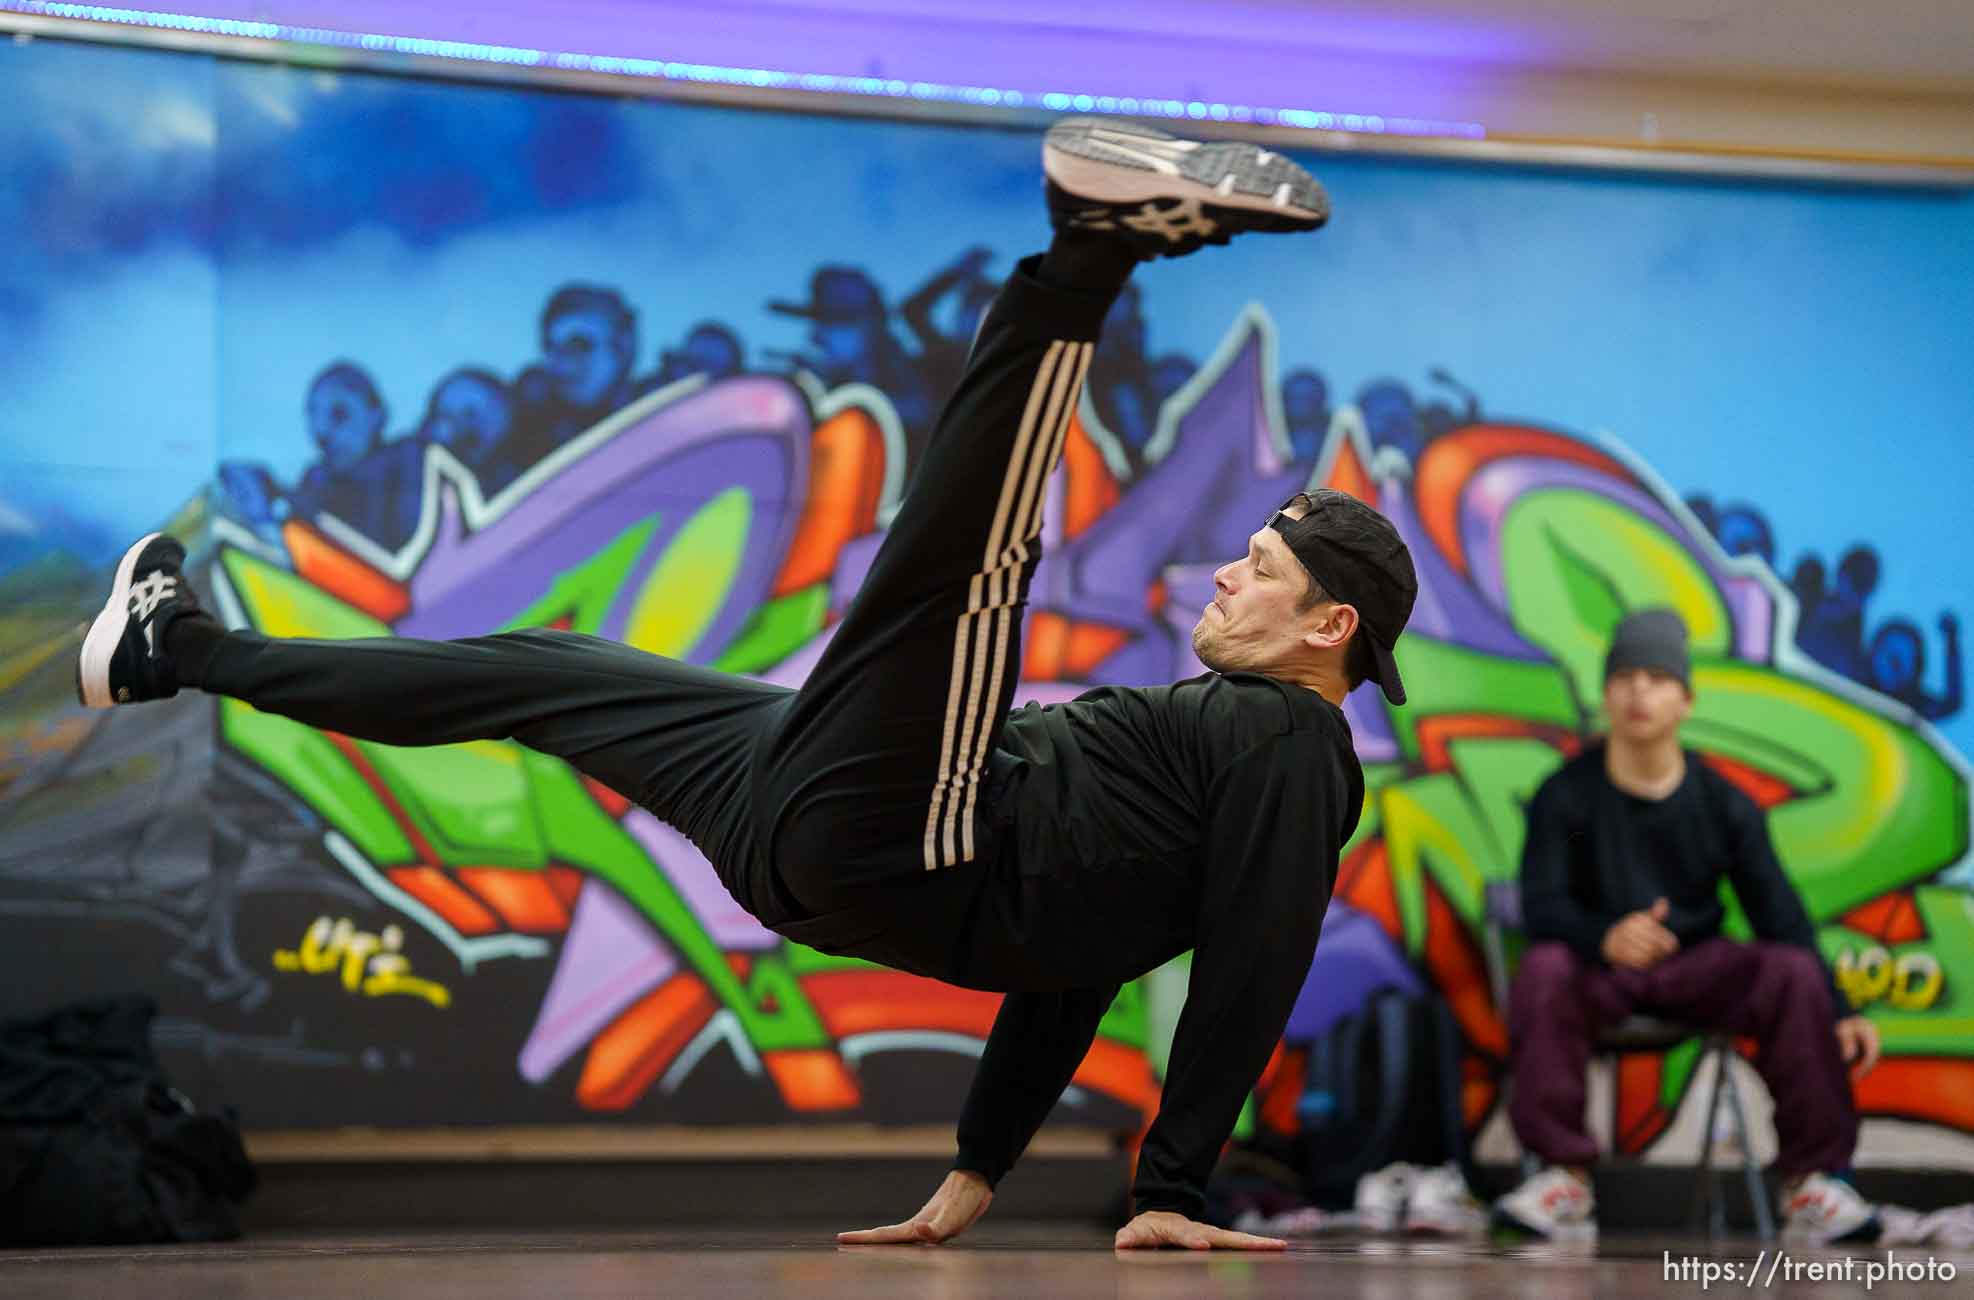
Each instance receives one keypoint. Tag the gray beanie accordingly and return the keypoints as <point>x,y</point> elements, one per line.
<point>1651,638</point>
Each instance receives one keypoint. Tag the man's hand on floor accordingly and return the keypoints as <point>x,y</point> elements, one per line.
<point>955,1207</point>
<point>1164,1228</point>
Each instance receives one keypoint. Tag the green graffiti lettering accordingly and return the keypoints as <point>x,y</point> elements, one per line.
<point>1501,775</point>
<point>1873,809</point>
<point>1370,824</point>
<point>1580,561</point>
<point>469,801</point>
<point>584,594</point>
<point>692,578</point>
<point>582,835</point>
<point>1125,1020</point>
<point>1431,825</point>
<point>777,630</point>
<point>1453,679</point>
<point>282,604</point>
<point>318,774</point>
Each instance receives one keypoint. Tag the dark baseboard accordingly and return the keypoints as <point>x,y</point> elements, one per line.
<point>833,1192</point>
<point>349,1196</point>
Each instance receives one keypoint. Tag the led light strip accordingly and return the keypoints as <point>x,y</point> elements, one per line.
<point>759,78</point>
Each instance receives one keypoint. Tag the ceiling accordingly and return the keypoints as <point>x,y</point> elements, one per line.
<point>1830,78</point>
<point>1888,46</point>
<point>1885,47</point>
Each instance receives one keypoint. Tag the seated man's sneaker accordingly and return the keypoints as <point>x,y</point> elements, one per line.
<point>123,658</point>
<point>1823,1209</point>
<point>1166,196</point>
<point>1441,1205</point>
<point>1554,1203</point>
<point>1380,1199</point>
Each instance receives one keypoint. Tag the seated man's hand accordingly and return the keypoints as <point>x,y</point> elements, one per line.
<point>1164,1228</point>
<point>1640,939</point>
<point>955,1207</point>
<point>1857,1039</point>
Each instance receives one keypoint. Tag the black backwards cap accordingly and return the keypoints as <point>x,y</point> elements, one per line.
<point>1358,559</point>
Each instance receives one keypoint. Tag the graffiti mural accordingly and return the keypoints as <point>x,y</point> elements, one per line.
<point>724,522</point>
<point>355,933</point>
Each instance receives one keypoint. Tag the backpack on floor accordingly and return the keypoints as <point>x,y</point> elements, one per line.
<point>97,1147</point>
<point>1382,1085</point>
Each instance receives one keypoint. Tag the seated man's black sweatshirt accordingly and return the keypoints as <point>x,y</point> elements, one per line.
<point>1595,853</point>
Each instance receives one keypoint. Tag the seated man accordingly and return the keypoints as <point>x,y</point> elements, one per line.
<point>893,808</point>
<point>1627,846</point>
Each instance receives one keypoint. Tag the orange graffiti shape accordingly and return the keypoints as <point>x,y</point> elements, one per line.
<point>873,1001</point>
<point>324,564</point>
<point>846,482</point>
<point>1889,918</point>
<point>524,899</point>
<point>813,1079</point>
<point>1450,462</point>
<point>634,1049</point>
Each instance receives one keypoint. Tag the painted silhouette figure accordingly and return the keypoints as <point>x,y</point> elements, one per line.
<point>372,485</point>
<point>850,342</point>
<point>588,345</point>
<point>471,414</point>
<point>1898,666</point>
<point>1306,411</point>
<point>709,348</point>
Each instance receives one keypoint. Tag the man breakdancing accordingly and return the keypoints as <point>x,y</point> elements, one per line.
<point>893,808</point>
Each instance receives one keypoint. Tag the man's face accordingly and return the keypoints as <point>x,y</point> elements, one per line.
<point>1645,706</point>
<point>1254,623</point>
<point>587,356</point>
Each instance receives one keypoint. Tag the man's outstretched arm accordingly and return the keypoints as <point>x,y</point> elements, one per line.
<point>1272,848</point>
<point>1037,1042</point>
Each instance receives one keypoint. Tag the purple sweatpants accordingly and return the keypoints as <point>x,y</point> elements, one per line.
<point>1775,993</point>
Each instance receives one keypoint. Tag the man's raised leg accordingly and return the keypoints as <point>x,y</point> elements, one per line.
<point>879,765</point>
<point>676,738</point>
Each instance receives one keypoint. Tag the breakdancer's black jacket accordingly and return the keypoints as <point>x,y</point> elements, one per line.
<point>1126,827</point>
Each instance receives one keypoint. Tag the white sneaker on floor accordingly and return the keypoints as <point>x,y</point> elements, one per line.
<point>1822,1209</point>
<point>1381,1197</point>
<point>1441,1204</point>
<point>1554,1203</point>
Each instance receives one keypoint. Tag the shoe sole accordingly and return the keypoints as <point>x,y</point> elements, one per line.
<point>1115,161</point>
<point>92,666</point>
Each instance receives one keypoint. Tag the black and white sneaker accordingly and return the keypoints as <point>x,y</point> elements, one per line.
<point>123,659</point>
<point>1168,196</point>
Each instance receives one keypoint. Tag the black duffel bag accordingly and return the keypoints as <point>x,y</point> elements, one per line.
<point>97,1147</point>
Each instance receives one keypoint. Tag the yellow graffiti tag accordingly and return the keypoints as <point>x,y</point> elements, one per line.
<point>1911,981</point>
<point>371,964</point>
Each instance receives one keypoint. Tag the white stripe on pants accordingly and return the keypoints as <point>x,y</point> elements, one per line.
<point>983,632</point>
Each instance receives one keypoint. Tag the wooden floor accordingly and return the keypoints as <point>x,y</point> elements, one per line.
<point>1018,1261</point>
